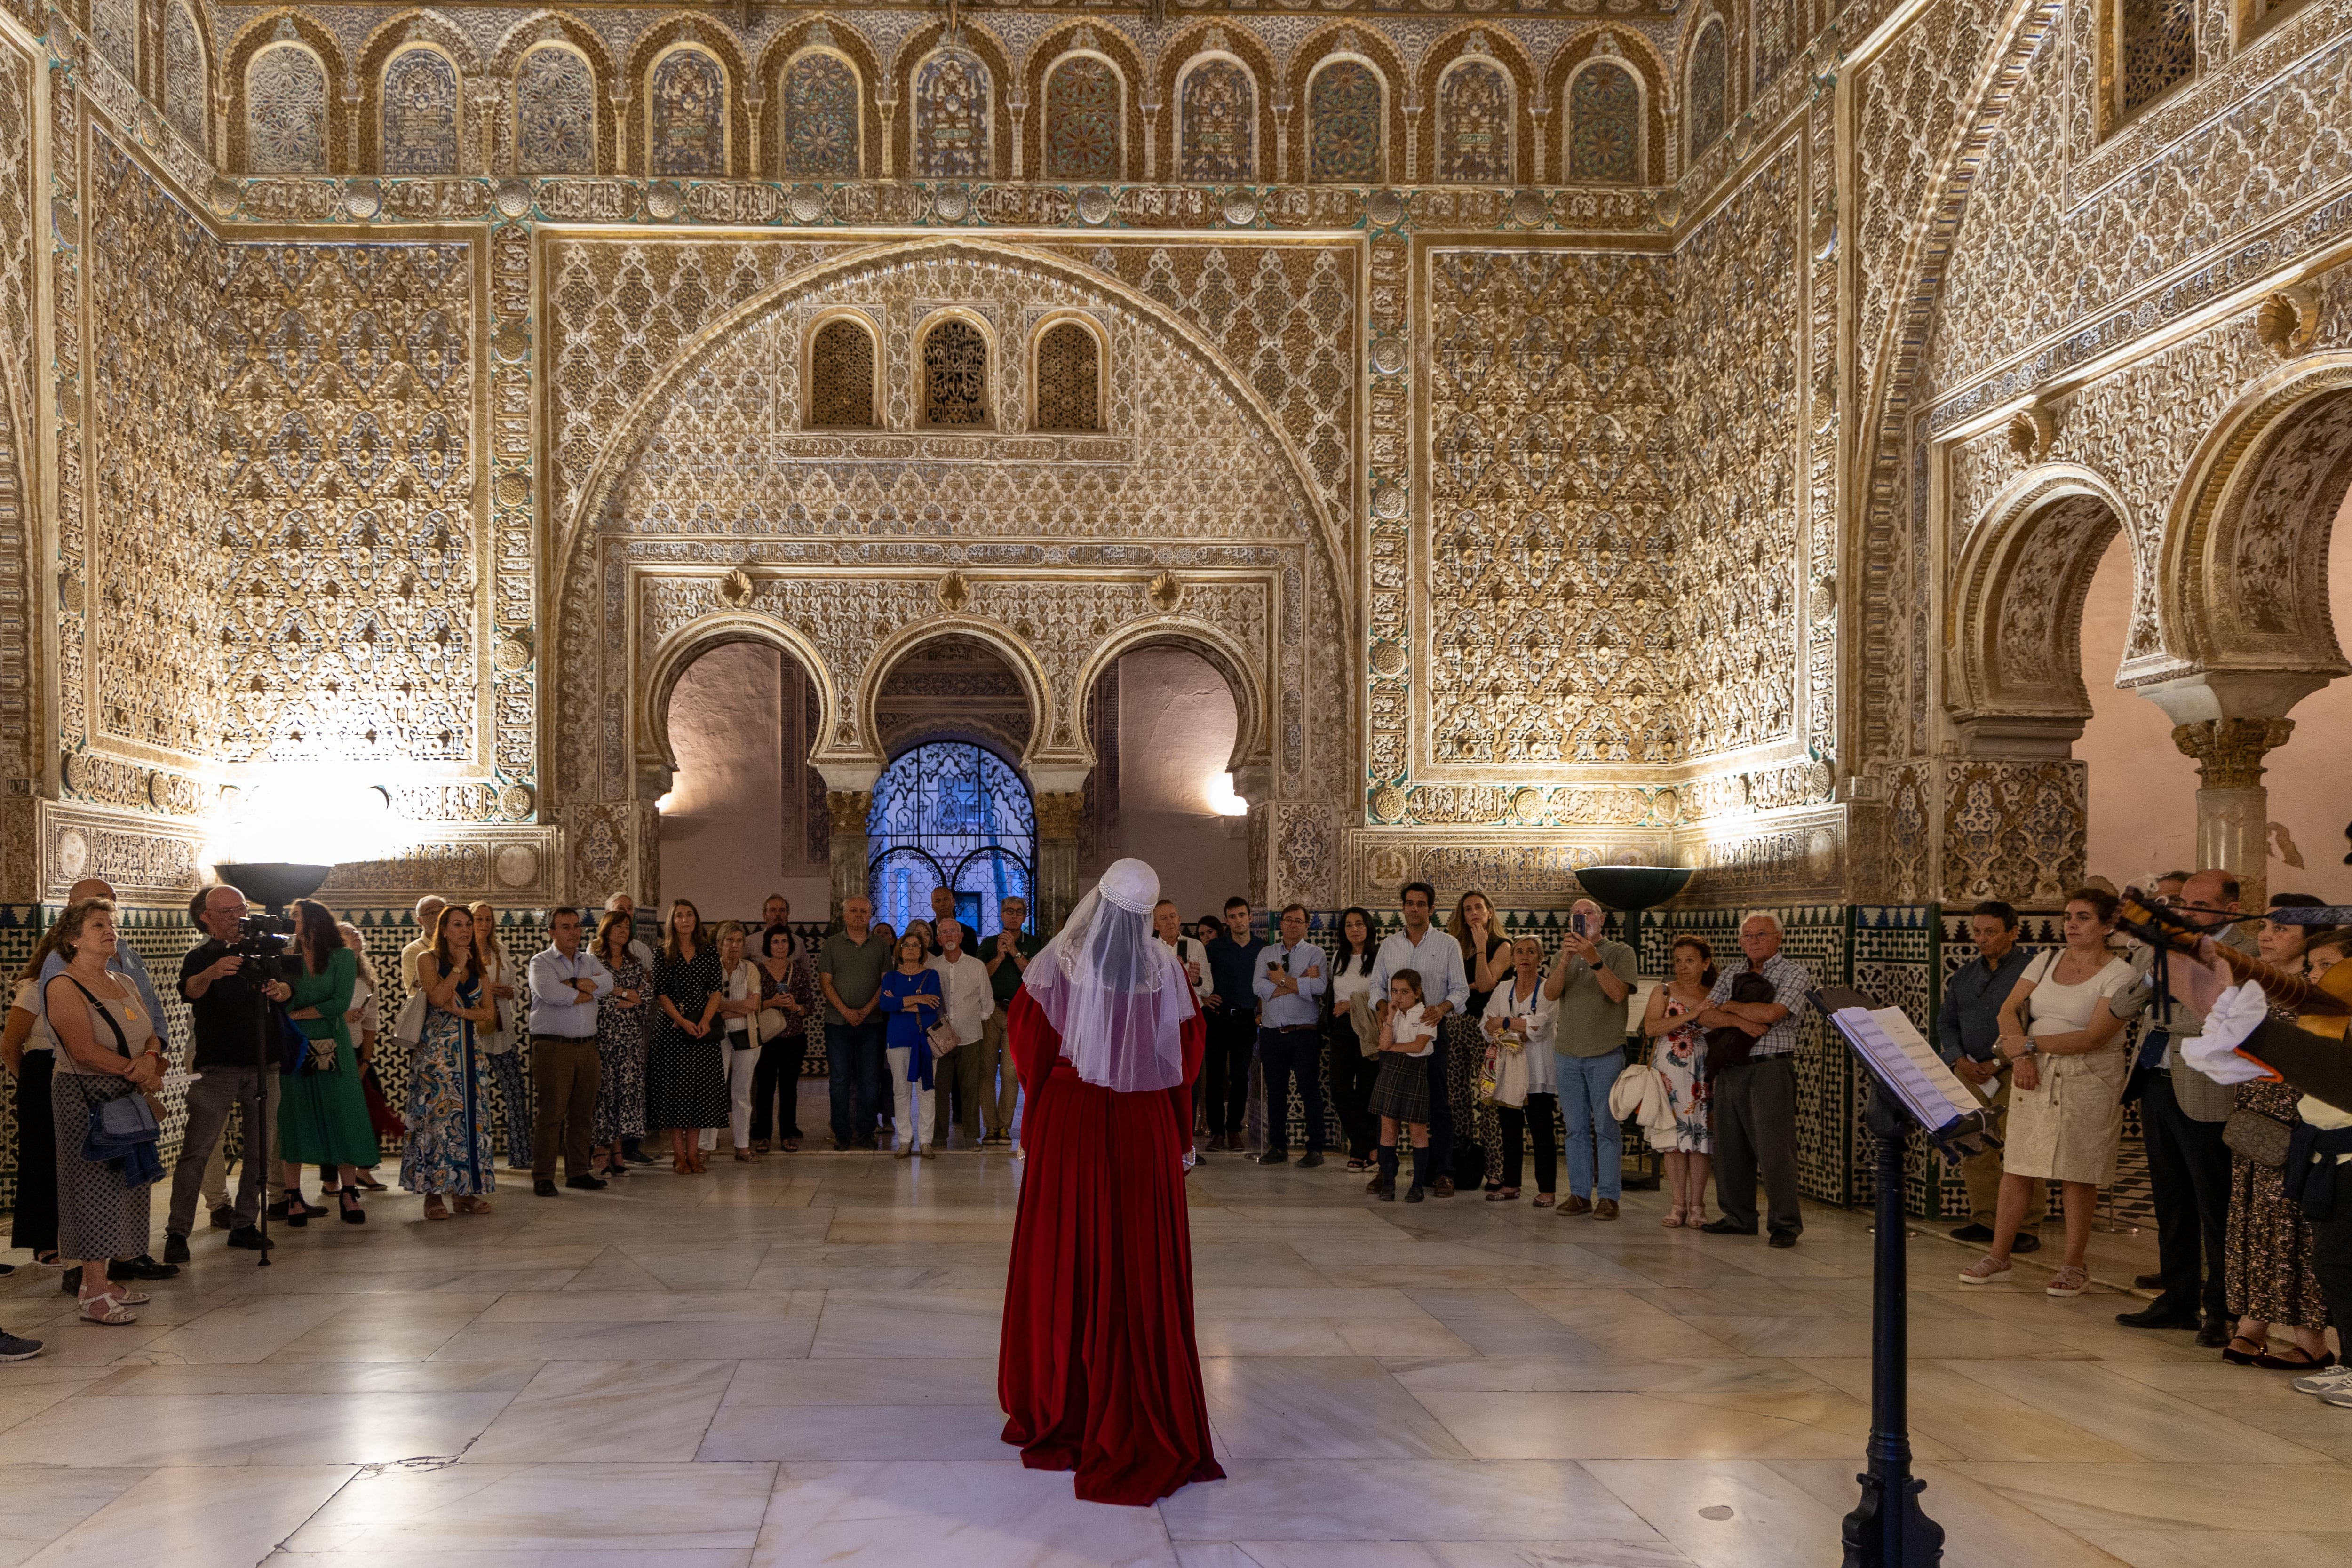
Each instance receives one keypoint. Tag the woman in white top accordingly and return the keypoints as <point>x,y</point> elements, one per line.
<point>1516,1007</point>
<point>738,1040</point>
<point>967,1001</point>
<point>29,1052</point>
<point>497,1046</point>
<point>1353,1031</point>
<point>2065,1114</point>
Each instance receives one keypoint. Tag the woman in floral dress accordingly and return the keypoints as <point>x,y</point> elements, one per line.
<point>620,1048</point>
<point>1681,1059</point>
<point>447,1154</point>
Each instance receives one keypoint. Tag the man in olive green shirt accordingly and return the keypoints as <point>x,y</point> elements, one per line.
<point>849,969</point>
<point>1590,980</point>
<point>1007,955</point>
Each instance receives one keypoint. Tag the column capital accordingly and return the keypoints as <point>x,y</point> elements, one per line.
<point>848,809</point>
<point>2229,751</point>
<point>1059,813</point>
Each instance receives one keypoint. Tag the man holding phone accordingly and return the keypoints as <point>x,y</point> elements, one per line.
<point>1292,977</point>
<point>1232,1022</point>
<point>1590,980</point>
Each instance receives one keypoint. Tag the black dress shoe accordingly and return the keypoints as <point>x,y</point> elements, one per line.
<point>2026,1241</point>
<point>71,1282</point>
<point>1784,1238</point>
<point>2157,1315</point>
<point>224,1218</point>
<point>2213,1333</point>
<point>544,1187</point>
<point>175,1247</point>
<point>1271,1157</point>
<point>638,1157</point>
<point>1312,1158</point>
<point>249,1238</point>
<point>1974,1234</point>
<point>141,1268</point>
<point>1726,1227</point>
<point>585,1184</point>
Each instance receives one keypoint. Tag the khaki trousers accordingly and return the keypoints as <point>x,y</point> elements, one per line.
<point>1982,1173</point>
<point>1000,1080</point>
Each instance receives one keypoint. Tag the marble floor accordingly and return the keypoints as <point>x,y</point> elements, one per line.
<point>793,1363</point>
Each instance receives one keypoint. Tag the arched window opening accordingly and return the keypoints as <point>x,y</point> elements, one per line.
<point>1604,125</point>
<point>1069,379</point>
<point>841,376</point>
<point>555,112</point>
<point>1474,120</point>
<point>1345,111</point>
<point>823,117</point>
<point>1217,122</point>
<point>949,814</point>
<point>285,113</point>
<point>953,100</point>
<point>1709,93</point>
<point>955,376</point>
<point>2156,49</point>
<point>1083,106</point>
<point>420,114</point>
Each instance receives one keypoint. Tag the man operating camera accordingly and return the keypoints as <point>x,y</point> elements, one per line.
<point>230,979</point>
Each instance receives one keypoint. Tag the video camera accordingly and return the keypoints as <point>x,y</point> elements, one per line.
<point>262,936</point>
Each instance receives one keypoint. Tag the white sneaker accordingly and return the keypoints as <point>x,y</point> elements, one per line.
<point>2323,1380</point>
<point>2340,1396</point>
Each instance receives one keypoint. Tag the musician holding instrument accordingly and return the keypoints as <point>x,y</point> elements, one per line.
<point>2064,1046</point>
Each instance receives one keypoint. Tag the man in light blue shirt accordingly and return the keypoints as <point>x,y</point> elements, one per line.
<point>1445,986</point>
<point>1291,979</point>
<point>566,982</point>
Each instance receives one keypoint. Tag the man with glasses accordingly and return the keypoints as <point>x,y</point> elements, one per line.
<point>228,996</point>
<point>1007,955</point>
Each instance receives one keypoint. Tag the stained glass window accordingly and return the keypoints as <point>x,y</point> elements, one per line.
<point>1344,123</point>
<point>952,101</point>
<point>1069,379</point>
<point>183,72</point>
<point>555,112</point>
<point>1604,125</point>
<point>1709,90</point>
<point>2160,47</point>
<point>1082,119</point>
<point>420,113</point>
<point>950,815</point>
<point>1217,132</point>
<point>285,113</point>
<point>822,112</point>
<point>955,374</point>
<point>841,376</point>
<point>1473,123</point>
<point>686,105</point>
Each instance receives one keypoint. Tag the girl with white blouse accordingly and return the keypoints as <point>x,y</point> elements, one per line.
<point>739,1041</point>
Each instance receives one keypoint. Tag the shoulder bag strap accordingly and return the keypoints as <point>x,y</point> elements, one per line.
<point>121,1042</point>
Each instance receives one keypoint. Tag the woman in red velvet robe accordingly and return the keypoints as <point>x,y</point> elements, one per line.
<point>1098,1368</point>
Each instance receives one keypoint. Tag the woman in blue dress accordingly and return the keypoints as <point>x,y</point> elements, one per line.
<point>448,1155</point>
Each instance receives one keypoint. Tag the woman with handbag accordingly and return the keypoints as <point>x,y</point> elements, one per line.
<point>2067,1113</point>
<point>739,1036</point>
<point>787,1003</point>
<point>1519,1024</point>
<point>110,1067</point>
<point>1485,960</point>
<point>909,1001</point>
<point>448,1155</point>
<point>496,1043</point>
<point>322,1115</point>
<point>2267,1255</point>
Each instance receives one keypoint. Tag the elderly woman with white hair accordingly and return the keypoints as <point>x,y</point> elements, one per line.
<point>1098,1369</point>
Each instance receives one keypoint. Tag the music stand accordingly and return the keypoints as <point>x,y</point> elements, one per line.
<point>1909,1085</point>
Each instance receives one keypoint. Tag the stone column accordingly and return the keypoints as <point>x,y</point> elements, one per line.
<point>1059,814</point>
<point>2233,806</point>
<point>847,850</point>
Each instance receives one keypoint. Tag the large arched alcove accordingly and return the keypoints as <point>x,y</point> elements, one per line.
<point>1190,515</point>
<point>745,815</point>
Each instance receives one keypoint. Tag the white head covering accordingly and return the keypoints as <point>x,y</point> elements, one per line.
<point>1113,989</point>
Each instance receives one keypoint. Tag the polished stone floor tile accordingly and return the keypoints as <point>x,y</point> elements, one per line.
<point>1319,1408</point>
<point>204,1517</point>
<point>1398,1499</point>
<point>583,1411</point>
<point>414,1513</point>
<point>231,1429</point>
<point>973,1514</point>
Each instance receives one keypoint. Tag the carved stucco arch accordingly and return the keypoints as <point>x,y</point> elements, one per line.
<point>573,534</point>
<point>2241,571</point>
<point>663,664</point>
<point>1254,728</point>
<point>2014,634</point>
<point>1001,641</point>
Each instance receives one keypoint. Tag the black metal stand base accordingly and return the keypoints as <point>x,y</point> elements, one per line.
<point>1887,1529</point>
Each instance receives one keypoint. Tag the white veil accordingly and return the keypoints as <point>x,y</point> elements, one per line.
<point>1113,989</point>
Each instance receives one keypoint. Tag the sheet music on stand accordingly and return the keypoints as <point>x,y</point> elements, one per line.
<point>1907,1066</point>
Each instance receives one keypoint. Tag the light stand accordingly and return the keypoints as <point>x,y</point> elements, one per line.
<point>276,883</point>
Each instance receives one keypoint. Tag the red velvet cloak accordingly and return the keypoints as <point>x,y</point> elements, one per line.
<point>1098,1368</point>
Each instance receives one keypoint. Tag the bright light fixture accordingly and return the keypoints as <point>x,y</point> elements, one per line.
<point>1223,800</point>
<point>311,815</point>
<point>661,802</point>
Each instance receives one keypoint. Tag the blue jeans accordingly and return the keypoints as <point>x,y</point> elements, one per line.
<point>514,1089</point>
<point>1584,1084</point>
<point>852,1054</point>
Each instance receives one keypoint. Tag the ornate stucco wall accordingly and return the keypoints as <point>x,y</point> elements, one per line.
<point>1736,511</point>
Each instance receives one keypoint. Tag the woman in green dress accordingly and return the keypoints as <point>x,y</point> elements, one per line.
<point>322,1118</point>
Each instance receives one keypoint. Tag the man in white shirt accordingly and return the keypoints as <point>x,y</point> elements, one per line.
<point>1170,927</point>
<point>1445,987</point>
<point>966,1003</point>
<point>565,981</point>
<point>428,915</point>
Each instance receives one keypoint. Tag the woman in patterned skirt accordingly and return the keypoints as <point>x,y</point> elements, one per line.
<point>685,1083</point>
<point>1485,963</point>
<point>1680,1056</point>
<point>2267,1251</point>
<point>620,1048</point>
<point>447,1154</point>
